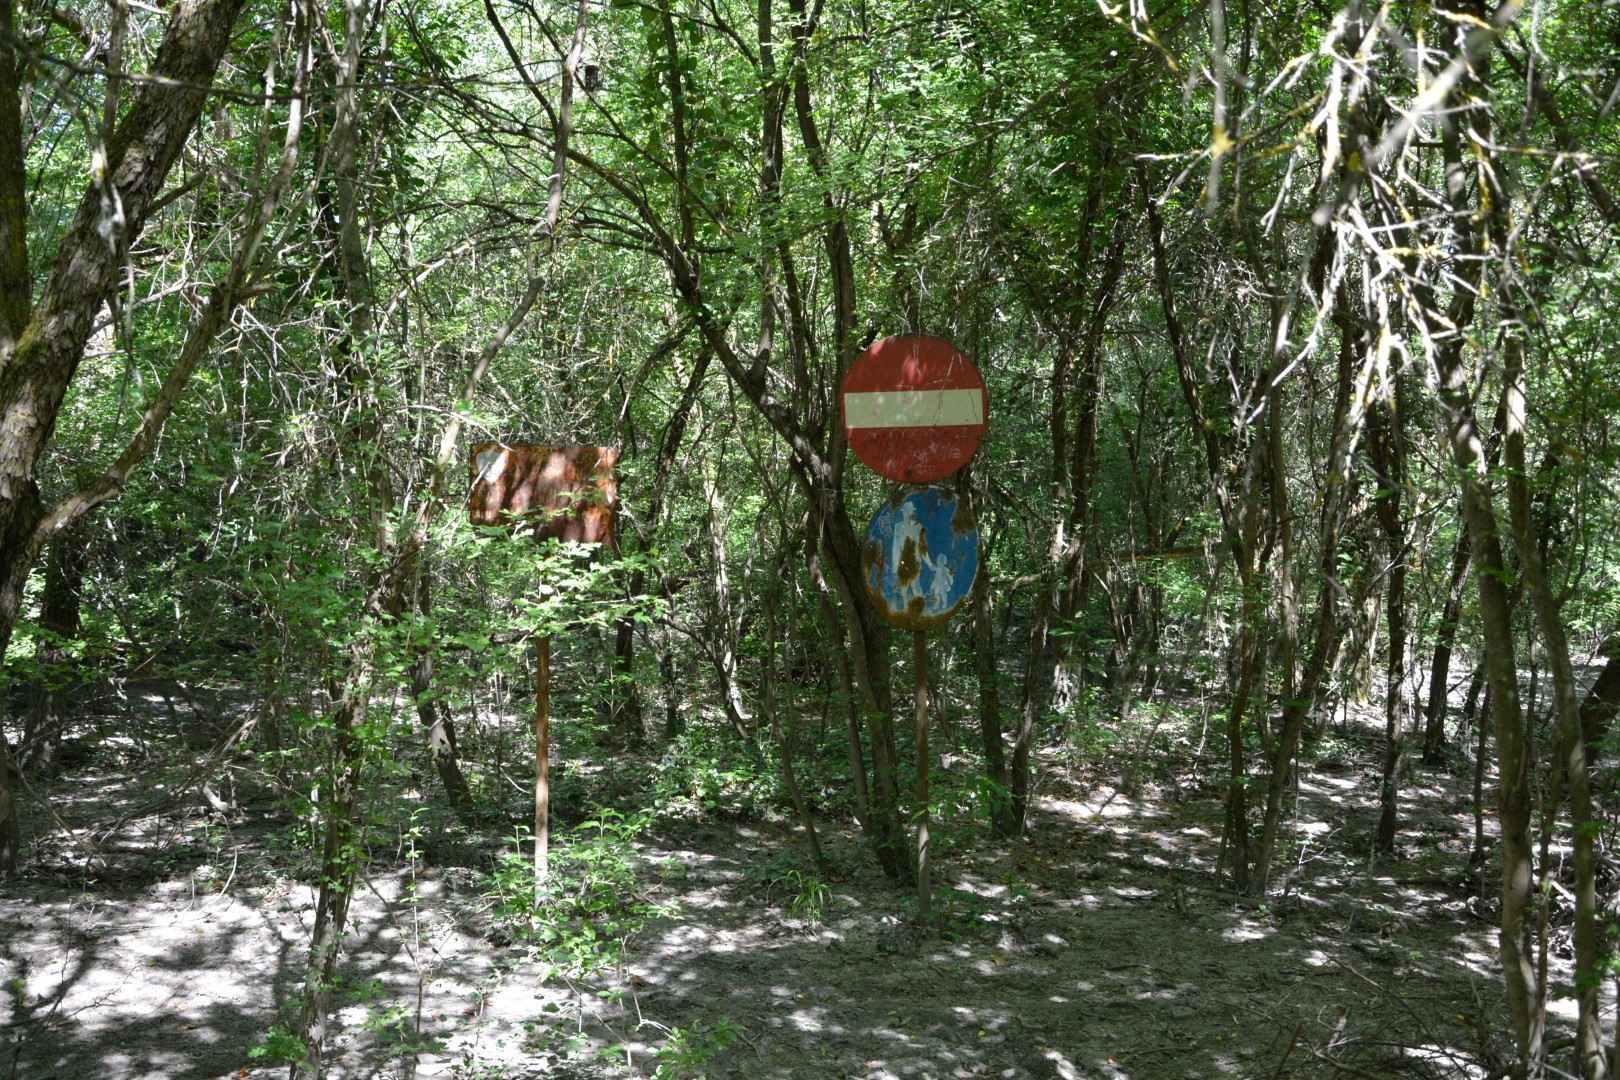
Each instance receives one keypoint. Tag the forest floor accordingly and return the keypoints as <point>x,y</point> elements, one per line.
<point>1100,947</point>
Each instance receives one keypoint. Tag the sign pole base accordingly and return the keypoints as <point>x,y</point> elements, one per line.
<point>542,760</point>
<point>919,666</point>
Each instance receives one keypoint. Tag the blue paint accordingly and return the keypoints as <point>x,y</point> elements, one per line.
<point>920,558</point>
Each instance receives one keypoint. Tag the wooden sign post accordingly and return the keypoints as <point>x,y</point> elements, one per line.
<point>919,666</point>
<point>557,493</point>
<point>921,556</point>
<point>914,409</point>
<point>542,758</point>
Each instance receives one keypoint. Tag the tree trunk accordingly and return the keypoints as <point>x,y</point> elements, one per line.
<point>1601,704</point>
<point>38,357</point>
<point>784,744</point>
<point>59,628</point>
<point>384,586</point>
<point>436,721</point>
<point>1339,486</point>
<point>1069,661</point>
<point>40,348</point>
<point>1386,442</point>
<point>1501,666</point>
<point>1434,731</point>
<point>847,703</point>
<point>626,697</point>
<point>721,633</point>
<point>1002,821</point>
<point>1591,1061</point>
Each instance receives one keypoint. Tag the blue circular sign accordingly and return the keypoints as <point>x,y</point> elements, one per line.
<point>920,558</point>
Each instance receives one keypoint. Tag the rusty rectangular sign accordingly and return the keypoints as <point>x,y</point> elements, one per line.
<point>558,492</point>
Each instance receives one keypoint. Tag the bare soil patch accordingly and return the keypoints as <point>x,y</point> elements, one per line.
<point>1100,947</point>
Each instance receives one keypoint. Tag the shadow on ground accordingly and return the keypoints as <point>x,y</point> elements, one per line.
<point>1101,947</point>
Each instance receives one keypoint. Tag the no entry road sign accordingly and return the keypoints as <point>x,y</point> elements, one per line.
<point>920,558</point>
<point>914,408</point>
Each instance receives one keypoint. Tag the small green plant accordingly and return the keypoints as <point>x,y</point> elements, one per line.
<point>808,896</point>
<point>590,904</point>
<point>702,773</point>
<point>280,1044</point>
<point>783,882</point>
<point>689,1049</point>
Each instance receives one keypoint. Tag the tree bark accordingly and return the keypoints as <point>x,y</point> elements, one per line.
<point>40,348</point>
<point>1599,707</point>
<point>720,641</point>
<point>1434,731</point>
<point>38,361</point>
<point>1339,484</point>
<point>784,744</point>
<point>1386,443</point>
<point>627,705</point>
<point>385,585</point>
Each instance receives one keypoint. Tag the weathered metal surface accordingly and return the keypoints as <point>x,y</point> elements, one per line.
<point>555,492</point>
<point>920,558</point>
<point>914,408</point>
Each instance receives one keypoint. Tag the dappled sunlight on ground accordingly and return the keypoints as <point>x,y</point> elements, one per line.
<point>1100,946</point>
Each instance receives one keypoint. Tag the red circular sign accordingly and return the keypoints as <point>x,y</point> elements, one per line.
<point>914,408</point>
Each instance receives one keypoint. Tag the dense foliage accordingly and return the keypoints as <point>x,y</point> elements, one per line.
<point>1294,316</point>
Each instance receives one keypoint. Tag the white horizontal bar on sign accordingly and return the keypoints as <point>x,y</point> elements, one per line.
<point>914,408</point>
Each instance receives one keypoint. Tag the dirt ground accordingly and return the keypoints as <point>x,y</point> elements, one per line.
<point>1100,948</point>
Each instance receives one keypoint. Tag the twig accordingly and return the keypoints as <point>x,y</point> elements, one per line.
<point>1288,1051</point>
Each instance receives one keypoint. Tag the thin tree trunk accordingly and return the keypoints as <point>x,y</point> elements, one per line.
<point>627,705</point>
<point>1463,439</point>
<point>1476,857</point>
<point>784,745</point>
<point>1235,834</point>
<point>1471,710</point>
<point>385,586</point>
<point>1434,731</point>
<point>1069,662</point>
<point>1339,485</point>
<point>436,721</point>
<point>1389,458</point>
<point>1501,673</point>
<point>847,704</point>
<point>59,628</point>
<point>721,645</point>
<point>1590,1060</point>
<point>985,669</point>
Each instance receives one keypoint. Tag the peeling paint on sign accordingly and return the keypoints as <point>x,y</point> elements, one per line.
<point>920,558</point>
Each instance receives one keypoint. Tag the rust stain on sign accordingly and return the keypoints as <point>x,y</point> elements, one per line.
<point>555,492</point>
<point>920,558</point>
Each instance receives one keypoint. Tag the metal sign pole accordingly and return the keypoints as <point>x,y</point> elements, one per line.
<point>919,664</point>
<point>542,760</point>
<point>553,493</point>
